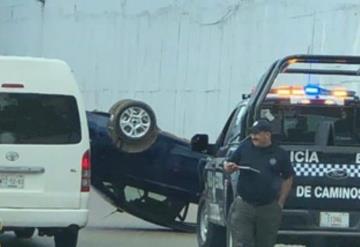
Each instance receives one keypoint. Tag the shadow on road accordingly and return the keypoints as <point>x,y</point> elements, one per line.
<point>9,240</point>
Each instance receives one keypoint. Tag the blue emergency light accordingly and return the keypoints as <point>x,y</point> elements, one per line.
<point>312,90</point>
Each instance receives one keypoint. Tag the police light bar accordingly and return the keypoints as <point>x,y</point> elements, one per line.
<point>311,94</point>
<point>310,90</point>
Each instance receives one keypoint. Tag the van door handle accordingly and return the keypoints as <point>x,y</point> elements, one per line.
<point>22,169</point>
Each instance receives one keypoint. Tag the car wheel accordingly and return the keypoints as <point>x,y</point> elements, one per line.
<point>132,126</point>
<point>24,233</point>
<point>66,237</point>
<point>208,234</point>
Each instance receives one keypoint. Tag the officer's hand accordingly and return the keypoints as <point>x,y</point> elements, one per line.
<point>230,167</point>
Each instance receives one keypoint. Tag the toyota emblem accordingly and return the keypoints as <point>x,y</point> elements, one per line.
<point>12,156</point>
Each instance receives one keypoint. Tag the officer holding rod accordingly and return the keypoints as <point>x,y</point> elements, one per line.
<point>255,214</point>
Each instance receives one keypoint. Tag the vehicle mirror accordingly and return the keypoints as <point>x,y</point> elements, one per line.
<point>245,96</point>
<point>199,142</point>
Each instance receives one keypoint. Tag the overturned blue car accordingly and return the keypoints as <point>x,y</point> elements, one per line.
<point>141,169</point>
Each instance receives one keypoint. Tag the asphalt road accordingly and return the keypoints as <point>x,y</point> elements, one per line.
<point>120,229</point>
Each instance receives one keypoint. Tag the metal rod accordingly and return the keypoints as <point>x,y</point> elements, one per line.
<point>322,72</point>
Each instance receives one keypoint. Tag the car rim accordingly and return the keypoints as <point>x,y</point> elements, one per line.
<point>134,122</point>
<point>204,224</point>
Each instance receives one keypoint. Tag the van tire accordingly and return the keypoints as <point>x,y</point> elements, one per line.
<point>123,136</point>
<point>66,237</point>
<point>24,233</point>
<point>215,235</point>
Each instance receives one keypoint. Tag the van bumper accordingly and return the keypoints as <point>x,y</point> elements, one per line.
<point>43,217</point>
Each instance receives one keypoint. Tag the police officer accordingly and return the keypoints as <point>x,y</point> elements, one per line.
<point>255,214</point>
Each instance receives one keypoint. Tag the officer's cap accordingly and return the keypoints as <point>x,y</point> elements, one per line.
<point>261,125</point>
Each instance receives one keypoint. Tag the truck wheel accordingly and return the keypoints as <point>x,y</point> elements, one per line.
<point>24,233</point>
<point>67,237</point>
<point>208,234</point>
<point>132,126</point>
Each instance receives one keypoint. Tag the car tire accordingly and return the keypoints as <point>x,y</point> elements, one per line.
<point>208,234</point>
<point>132,126</point>
<point>25,233</point>
<point>66,237</point>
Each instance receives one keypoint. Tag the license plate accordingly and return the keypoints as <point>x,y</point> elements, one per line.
<point>334,219</point>
<point>12,181</point>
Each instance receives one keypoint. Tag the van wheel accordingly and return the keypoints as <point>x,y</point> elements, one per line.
<point>66,237</point>
<point>208,234</point>
<point>24,233</point>
<point>132,126</point>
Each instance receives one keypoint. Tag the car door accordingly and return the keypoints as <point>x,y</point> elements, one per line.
<point>219,181</point>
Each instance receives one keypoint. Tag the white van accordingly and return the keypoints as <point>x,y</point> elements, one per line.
<point>44,150</point>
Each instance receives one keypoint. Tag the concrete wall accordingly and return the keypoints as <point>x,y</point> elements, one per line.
<point>189,59</point>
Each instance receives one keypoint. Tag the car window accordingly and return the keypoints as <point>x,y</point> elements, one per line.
<point>234,130</point>
<point>38,119</point>
<point>302,124</point>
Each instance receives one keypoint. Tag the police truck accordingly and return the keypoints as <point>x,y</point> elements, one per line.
<point>313,105</point>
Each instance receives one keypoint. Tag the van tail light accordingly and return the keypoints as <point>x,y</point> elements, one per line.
<point>85,172</point>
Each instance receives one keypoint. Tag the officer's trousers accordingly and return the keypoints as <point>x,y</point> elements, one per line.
<point>254,226</point>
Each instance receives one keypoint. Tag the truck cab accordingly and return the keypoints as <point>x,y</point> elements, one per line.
<point>313,105</point>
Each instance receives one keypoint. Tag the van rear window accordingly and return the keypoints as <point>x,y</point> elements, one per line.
<point>38,119</point>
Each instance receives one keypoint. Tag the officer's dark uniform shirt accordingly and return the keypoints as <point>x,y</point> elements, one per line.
<point>274,165</point>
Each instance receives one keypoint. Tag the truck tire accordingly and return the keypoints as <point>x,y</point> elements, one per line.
<point>132,126</point>
<point>24,233</point>
<point>67,237</point>
<point>208,234</point>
